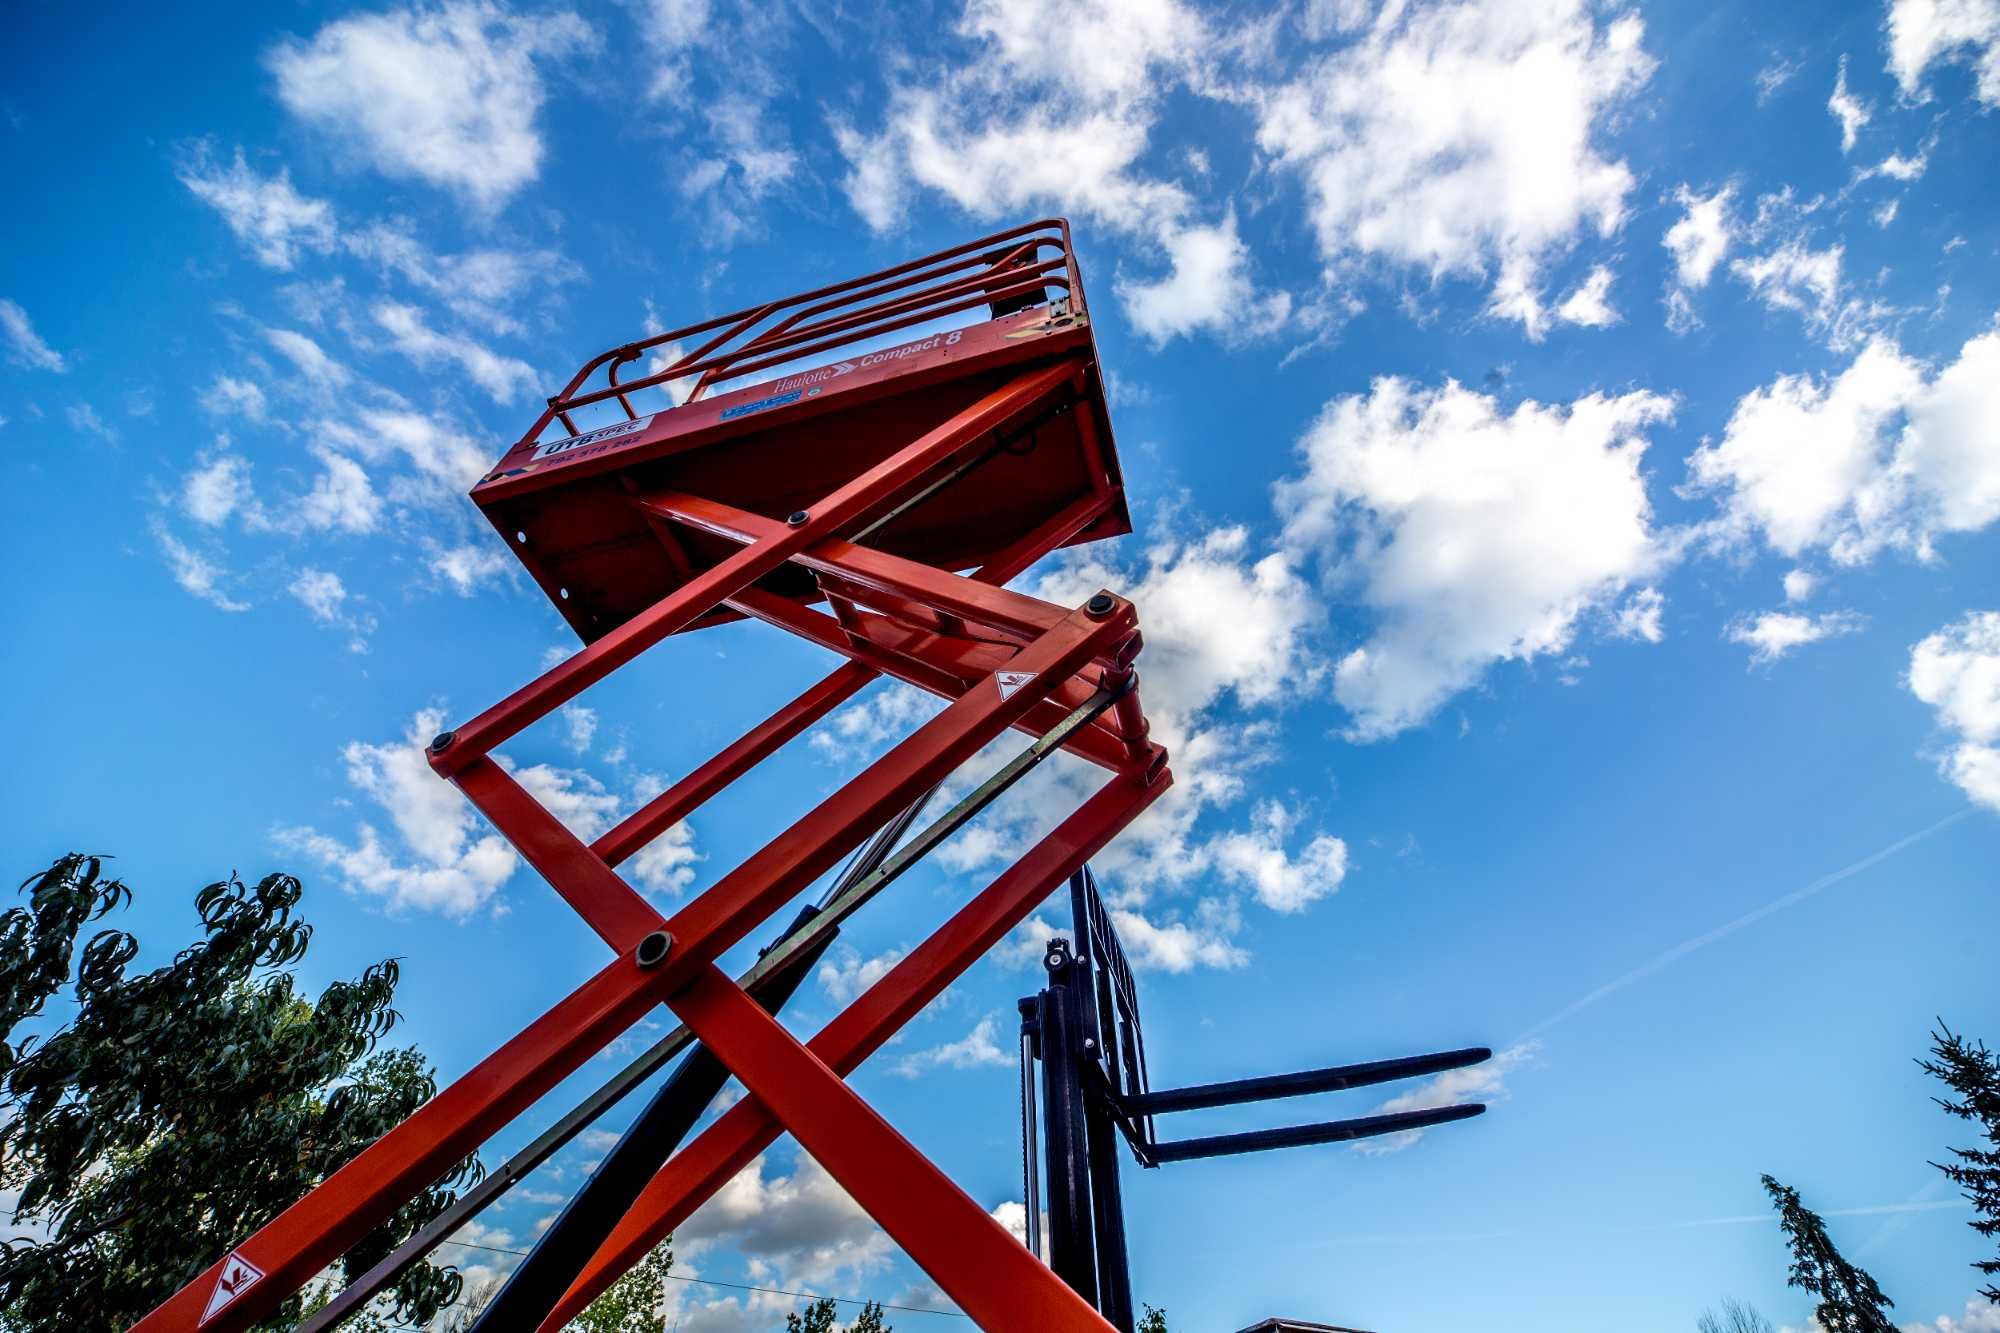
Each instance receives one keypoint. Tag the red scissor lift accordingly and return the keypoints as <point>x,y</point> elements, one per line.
<point>842,496</point>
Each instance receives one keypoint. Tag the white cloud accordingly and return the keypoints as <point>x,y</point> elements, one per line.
<point>579,801</point>
<point>1922,32</point>
<point>1799,584</point>
<point>1845,107</point>
<point>666,864</point>
<point>195,572</point>
<point>342,497</point>
<point>321,592</point>
<point>466,567</point>
<point>1256,859</point>
<point>1980,1316</point>
<point>1208,287</point>
<point>1794,275</point>
<point>1187,589</point>
<point>802,1229</point>
<point>1013,1215</point>
<point>1481,1082</point>
<point>1054,112</point>
<point>1109,50</point>
<point>1899,168</point>
<point>1701,238</point>
<point>1208,940</point>
<point>1462,139</point>
<point>83,419</point>
<point>1880,456</point>
<point>1697,242</point>
<point>230,396</point>
<point>480,285</point>
<point>450,862</point>
<point>321,370</point>
<point>1475,536</point>
<point>25,347</point>
<point>217,488</point>
<point>1771,634</point>
<point>1590,304</point>
<point>846,974</point>
<point>505,378</point>
<point>1188,671</point>
<point>579,726</point>
<point>445,94</point>
<point>447,462</point>
<point>1639,618</point>
<point>587,808</point>
<point>977,1049</point>
<point>1775,76</point>
<point>993,169</point>
<point>1957,672</point>
<point>264,212</point>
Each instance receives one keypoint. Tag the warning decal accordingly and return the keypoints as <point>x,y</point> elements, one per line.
<point>238,1276</point>
<point>1011,681</point>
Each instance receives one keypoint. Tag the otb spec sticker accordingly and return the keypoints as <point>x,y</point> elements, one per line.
<point>554,447</point>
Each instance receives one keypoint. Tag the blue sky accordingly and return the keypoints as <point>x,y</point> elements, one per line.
<point>1565,445</point>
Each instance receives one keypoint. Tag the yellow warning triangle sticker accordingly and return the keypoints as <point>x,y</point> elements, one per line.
<point>1011,681</point>
<point>238,1275</point>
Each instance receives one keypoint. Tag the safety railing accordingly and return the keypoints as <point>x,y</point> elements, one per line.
<point>1008,271</point>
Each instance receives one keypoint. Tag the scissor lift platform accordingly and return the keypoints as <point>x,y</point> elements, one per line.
<point>827,402</point>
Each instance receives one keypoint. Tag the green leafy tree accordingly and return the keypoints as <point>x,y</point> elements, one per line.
<point>1849,1300</point>
<point>1153,1321</point>
<point>819,1318</point>
<point>1973,1075</point>
<point>180,1109</point>
<point>635,1302</point>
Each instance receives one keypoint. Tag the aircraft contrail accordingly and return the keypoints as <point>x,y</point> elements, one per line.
<point>1751,918</point>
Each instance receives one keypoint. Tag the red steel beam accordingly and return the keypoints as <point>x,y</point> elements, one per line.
<point>608,905</point>
<point>737,902</point>
<point>979,1265</point>
<point>694,1174</point>
<point>873,490</point>
<point>323,1225</point>
<point>690,792</point>
<point>674,804</point>
<point>910,656</point>
<point>1013,613</point>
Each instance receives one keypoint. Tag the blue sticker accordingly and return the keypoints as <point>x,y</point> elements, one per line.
<point>745,409</point>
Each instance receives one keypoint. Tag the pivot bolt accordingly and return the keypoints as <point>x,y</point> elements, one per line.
<point>798,519</point>
<point>442,741</point>
<point>1100,606</point>
<point>653,950</point>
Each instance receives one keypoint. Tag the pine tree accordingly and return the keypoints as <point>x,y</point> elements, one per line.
<point>1973,1073</point>
<point>1849,1300</point>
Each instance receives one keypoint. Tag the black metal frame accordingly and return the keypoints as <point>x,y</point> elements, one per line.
<point>1085,1031</point>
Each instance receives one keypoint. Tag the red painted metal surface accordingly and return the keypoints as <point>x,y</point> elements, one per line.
<point>986,445</point>
<point>747,1128</point>
<point>829,403</point>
